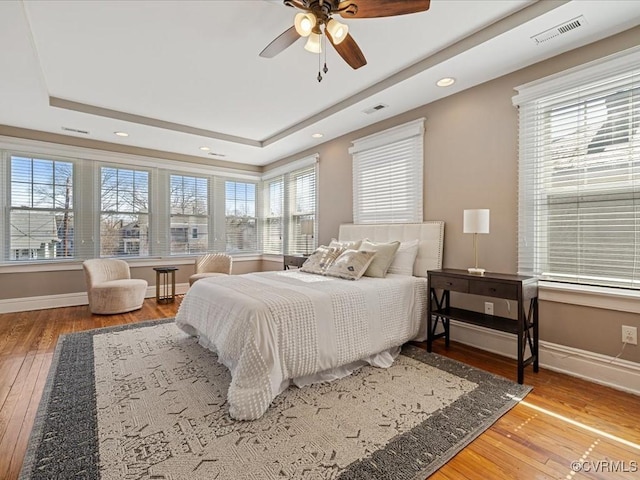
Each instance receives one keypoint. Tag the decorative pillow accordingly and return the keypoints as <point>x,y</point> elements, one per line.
<point>351,264</point>
<point>346,245</point>
<point>405,258</point>
<point>385,253</point>
<point>321,259</point>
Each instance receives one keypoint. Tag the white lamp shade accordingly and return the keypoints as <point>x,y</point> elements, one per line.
<point>306,227</point>
<point>476,221</point>
<point>337,30</point>
<point>313,44</point>
<point>304,23</point>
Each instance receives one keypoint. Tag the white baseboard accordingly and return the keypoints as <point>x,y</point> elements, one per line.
<point>603,369</point>
<point>12,305</point>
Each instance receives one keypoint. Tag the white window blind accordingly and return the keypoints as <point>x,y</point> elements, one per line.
<point>124,212</point>
<point>302,227</point>
<point>189,212</point>
<point>579,169</point>
<point>241,223</point>
<point>290,203</point>
<point>41,218</point>
<point>387,175</point>
<point>273,216</point>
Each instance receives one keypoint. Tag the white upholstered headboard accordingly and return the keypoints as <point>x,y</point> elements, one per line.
<point>430,234</point>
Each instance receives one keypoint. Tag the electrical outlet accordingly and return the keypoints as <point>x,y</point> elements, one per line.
<point>488,308</point>
<point>629,335</point>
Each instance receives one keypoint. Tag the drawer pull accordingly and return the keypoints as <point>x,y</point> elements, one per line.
<point>449,284</point>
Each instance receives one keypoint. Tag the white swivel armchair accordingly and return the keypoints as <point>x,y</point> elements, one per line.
<point>211,265</point>
<point>111,288</point>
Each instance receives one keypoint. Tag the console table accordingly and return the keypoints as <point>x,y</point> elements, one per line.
<point>524,290</point>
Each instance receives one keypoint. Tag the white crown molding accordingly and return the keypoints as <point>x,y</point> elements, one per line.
<point>30,147</point>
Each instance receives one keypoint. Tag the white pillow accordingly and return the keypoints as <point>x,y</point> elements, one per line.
<point>351,264</point>
<point>405,258</point>
<point>384,256</point>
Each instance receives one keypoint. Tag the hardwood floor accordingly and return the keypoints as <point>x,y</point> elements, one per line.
<point>563,420</point>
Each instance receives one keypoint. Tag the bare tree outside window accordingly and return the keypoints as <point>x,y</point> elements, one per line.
<point>41,216</point>
<point>189,199</point>
<point>124,212</point>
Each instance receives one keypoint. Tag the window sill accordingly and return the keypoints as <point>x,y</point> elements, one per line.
<point>61,266</point>
<point>619,299</point>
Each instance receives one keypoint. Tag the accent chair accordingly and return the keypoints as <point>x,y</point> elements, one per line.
<point>211,265</point>
<point>110,286</point>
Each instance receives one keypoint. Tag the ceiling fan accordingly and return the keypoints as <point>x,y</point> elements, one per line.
<point>315,19</point>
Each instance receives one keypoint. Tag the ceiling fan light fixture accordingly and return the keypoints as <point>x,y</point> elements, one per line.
<point>313,44</point>
<point>337,30</point>
<point>304,23</point>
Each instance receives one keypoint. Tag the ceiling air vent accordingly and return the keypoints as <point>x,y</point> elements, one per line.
<point>374,109</point>
<point>75,130</point>
<point>559,30</point>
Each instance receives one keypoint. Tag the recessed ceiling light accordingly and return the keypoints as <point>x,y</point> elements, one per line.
<point>446,82</point>
<point>317,135</point>
<point>205,149</point>
<point>121,134</point>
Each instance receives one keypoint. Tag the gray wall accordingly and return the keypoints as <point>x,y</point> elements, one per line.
<point>470,160</point>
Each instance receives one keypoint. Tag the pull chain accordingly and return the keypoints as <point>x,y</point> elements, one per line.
<point>325,69</point>
<point>319,74</point>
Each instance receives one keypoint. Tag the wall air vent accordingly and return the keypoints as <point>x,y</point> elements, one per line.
<point>75,130</point>
<point>559,30</point>
<point>375,108</point>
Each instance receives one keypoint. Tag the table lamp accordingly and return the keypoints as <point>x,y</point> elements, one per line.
<point>476,221</point>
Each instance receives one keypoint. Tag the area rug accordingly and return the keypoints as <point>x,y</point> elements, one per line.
<point>146,401</point>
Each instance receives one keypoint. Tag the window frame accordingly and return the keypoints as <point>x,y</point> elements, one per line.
<point>149,214</point>
<point>291,239</point>
<point>375,184</point>
<point>8,183</point>
<point>588,175</point>
<point>189,226</point>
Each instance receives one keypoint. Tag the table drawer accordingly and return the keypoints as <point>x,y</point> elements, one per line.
<point>494,289</point>
<point>450,283</point>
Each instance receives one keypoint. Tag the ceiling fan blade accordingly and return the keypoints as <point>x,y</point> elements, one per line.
<point>381,8</point>
<point>349,50</point>
<point>283,41</point>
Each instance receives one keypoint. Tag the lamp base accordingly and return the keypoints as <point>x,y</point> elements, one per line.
<point>476,271</point>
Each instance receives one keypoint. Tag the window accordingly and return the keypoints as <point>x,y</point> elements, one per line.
<point>113,205</point>
<point>273,219</point>
<point>303,210</point>
<point>387,175</point>
<point>289,215</point>
<point>240,217</point>
<point>189,204</point>
<point>124,213</point>
<point>41,214</point>
<point>580,175</point>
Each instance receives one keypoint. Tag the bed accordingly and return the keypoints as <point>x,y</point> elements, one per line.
<point>273,328</point>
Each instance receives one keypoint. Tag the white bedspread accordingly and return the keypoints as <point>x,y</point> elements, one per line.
<point>272,327</point>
